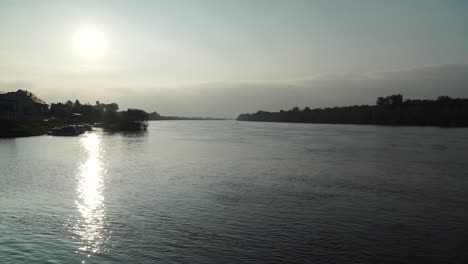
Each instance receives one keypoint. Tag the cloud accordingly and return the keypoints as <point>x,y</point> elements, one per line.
<point>229,99</point>
<point>10,86</point>
<point>232,98</point>
<point>439,72</point>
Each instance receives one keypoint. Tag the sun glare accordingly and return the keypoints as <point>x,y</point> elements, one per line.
<point>90,43</point>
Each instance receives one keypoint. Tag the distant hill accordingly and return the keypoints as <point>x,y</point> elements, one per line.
<point>189,118</point>
<point>156,116</point>
<point>390,110</point>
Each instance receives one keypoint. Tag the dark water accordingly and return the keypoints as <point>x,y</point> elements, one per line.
<point>237,192</point>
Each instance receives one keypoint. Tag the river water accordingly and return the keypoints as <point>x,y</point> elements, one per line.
<point>237,192</point>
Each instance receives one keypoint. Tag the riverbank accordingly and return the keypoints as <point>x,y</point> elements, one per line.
<point>12,129</point>
<point>391,110</point>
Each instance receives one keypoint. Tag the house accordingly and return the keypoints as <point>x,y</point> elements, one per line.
<point>21,105</point>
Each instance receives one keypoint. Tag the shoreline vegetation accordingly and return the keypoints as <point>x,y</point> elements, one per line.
<point>170,118</point>
<point>65,114</point>
<point>103,115</point>
<point>391,110</point>
<point>107,116</point>
<point>154,116</point>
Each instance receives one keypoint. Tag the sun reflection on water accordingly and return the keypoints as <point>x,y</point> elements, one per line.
<point>90,228</point>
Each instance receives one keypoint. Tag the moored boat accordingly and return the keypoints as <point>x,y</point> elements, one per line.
<point>72,130</point>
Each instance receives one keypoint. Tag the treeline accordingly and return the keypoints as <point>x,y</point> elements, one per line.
<point>190,118</point>
<point>390,110</point>
<point>156,116</point>
<point>100,112</point>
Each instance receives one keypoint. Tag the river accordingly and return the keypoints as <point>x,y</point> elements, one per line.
<point>237,192</point>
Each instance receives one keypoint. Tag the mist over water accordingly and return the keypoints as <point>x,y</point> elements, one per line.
<point>236,192</point>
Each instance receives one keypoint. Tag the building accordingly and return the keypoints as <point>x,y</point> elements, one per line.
<point>21,105</point>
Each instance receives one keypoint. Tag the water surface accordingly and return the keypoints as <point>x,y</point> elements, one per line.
<point>237,192</point>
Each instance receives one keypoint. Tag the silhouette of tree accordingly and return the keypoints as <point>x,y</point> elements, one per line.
<point>390,110</point>
<point>100,112</point>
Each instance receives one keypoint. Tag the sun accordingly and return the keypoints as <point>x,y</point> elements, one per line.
<point>90,43</point>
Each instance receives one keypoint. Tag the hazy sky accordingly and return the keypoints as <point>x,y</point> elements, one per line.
<point>222,58</point>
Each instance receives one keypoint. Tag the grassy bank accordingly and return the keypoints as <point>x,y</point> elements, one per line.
<point>11,129</point>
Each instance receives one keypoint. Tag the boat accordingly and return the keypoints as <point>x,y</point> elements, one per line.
<point>98,125</point>
<point>69,131</point>
<point>85,127</point>
<point>126,126</point>
<point>134,126</point>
